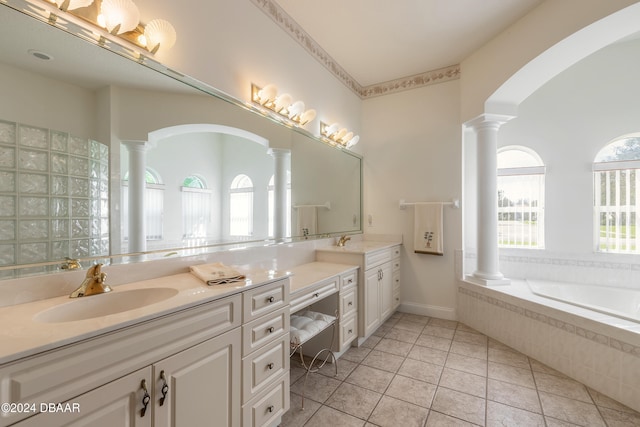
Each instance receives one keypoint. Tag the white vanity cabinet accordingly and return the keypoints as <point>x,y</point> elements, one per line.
<point>379,294</point>
<point>186,367</point>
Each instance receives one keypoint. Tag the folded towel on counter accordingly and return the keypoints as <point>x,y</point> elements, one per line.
<point>428,229</point>
<point>307,220</point>
<point>306,325</point>
<point>216,273</point>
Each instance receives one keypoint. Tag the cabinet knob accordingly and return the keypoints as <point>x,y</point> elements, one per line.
<point>270,299</point>
<point>270,329</point>
<point>349,281</point>
<point>271,366</point>
<point>316,295</point>
<point>165,388</point>
<point>350,331</point>
<point>145,398</point>
<point>270,408</point>
<point>350,303</point>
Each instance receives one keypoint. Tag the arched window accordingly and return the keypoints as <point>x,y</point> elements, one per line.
<point>271,195</point>
<point>196,207</point>
<point>520,198</point>
<point>241,206</point>
<point>153,205</point>
<point>616,195</point>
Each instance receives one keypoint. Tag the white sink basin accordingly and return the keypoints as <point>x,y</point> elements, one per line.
<point>104,304</point>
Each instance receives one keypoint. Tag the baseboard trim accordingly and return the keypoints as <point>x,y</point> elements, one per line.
<point>429,310</point>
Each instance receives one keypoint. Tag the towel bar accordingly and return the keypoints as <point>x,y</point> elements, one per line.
<point>455,203</point>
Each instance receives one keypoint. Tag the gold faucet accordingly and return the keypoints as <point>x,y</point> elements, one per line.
<point>94,283</point>
<point>343,239</point>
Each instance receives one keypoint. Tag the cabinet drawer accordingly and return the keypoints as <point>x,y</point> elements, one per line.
<point>267,407</point>
<point>348,302</point>
<point>264,330</point>
<point>348,331</point>
<point>396,280</point>
<point>395,252</point>
<point>314,293</point>
<point>396,298</point>
<point>349,280</point>
<point>395,265</point>
<point>262,366</point>
<point>265,299</point>
<point>376,258</point>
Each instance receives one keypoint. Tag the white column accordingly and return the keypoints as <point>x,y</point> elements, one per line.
<point>281,164</point>
<point>488,269</point>
<point>137,167</point>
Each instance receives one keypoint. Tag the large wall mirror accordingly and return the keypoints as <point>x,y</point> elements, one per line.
<point>103,157</point>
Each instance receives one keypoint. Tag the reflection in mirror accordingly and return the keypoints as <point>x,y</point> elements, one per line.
<point>101,103</point>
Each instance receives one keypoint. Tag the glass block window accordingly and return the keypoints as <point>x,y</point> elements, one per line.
<point>241,206</point>
<point>616,196</point>
<point>520,198</point>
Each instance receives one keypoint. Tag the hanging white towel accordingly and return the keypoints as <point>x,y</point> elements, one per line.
<point>428,229</point>
<point>307,220</point>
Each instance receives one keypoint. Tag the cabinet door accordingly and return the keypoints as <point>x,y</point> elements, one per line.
<point>371,300</point>
<point>203,384</point>
<point>118,403</point>
<point>386,291</point>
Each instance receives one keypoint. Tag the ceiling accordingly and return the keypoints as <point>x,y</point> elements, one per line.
<point>377,41</point>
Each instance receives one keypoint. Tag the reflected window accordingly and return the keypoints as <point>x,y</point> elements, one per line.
<point>196,207</point>
<point>153,205</point>
<point>616,195</point>
<point>520,198</point>
<point>241,206</point>
<point>271,196</point>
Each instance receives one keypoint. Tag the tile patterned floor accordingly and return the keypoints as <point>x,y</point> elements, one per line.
<point>421,371</point>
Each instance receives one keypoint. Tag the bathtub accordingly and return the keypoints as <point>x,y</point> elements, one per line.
<point>618,302</point>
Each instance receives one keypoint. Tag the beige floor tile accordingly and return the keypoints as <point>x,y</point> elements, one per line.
<point>471,350</point>
<point>514,395</point>
<point>511,374</point>
<point>459,405</point>
<point>467,328</point>
<point>565,387</point>
<point>570,410</point>
<point>327,416</point>
<point>345,367</point>
<point>402,335</point>
<point>606,402</point>
<point>422,371</point>
<point>620,419</point>
<point>500,415</point>
<point>295,373</point>
<point>470,337</point>
<point>552,422</point>
<point>296,416</point>
<point>416,318</point>
<point>438,331</point>
<point>354,400</point>
<point>464,382</point>
<point>385,361</point>
<point>407,325</point>
<point>317,387</point>
<point>436,419</point>
<point>498,345</point>
<point>443,323</point>
<point>537,366</point>
<point>356,354</point>
<point>466,364</point>
<point>396,347</point>
<point>428,354</point>
<point>370,378</point>
<point>507,357</point>
<point>434,342</point>
<point>371,342</point>
<point>392,412</point>
<point>411,390</point>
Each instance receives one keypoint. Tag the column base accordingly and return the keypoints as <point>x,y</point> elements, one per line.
<point>487,282</point>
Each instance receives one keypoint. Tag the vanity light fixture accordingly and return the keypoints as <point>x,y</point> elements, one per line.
<point>283,104</point>
<point>118,17</point>
<point>337,135</point>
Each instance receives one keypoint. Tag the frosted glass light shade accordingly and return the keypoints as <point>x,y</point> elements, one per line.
<point>283,101</point>
<point>331,129</point>
<point>342,132</point>
<point>160,32</point>
<point>296,109</point>
<point>120,12</point>
<point>307,116</point>
<point>353,141</point>
<point>267,94</point>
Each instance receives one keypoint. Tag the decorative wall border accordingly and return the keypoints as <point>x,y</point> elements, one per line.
<point>291,27</point>
<point>556,323</point>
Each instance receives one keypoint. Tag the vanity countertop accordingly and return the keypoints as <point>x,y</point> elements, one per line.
<point>309,274</point>
<point>22,335</point>
<point>360,247</point>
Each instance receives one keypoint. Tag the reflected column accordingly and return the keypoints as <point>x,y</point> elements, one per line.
<point>137,168</point>
<point>282,161</point>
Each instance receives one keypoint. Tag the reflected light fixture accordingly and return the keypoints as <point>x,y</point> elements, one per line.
<point>283,104</point>
<point>338,135</point>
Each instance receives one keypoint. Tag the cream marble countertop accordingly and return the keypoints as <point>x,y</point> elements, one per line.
<point>309,274</point>
<point>21,335</point>
<point>361,246</point>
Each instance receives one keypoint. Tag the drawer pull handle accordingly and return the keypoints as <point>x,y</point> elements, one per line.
<point>349,281</point>
<point>316,295</point>
<point>350,331</point>
<point>145,398</point>
<point>271,299</point>
<point>165,388</point>
<point>350,303</point>
<point>271,366</point>
<point>270,329</point>
<point>271,408</point>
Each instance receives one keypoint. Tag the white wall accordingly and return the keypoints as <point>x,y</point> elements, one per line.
<point>413,150</point>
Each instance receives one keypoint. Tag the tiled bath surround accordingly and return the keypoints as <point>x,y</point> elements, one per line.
<point>597,350</point>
